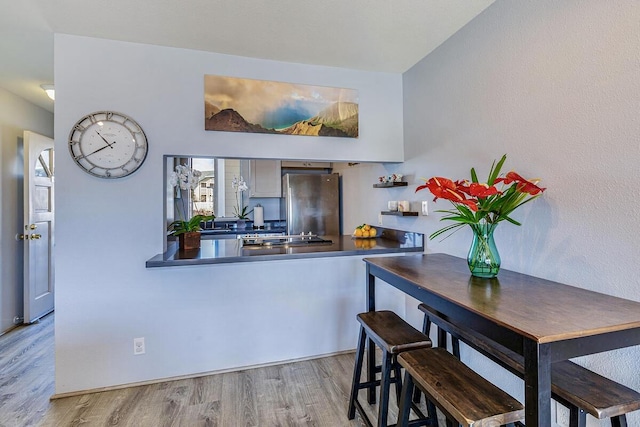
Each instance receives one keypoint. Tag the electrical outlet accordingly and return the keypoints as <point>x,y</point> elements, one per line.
<point>425,208</point>
<point>138,346</point>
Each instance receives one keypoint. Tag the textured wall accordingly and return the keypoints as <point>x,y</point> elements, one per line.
<point>194,319</point>
<point>556,86</point>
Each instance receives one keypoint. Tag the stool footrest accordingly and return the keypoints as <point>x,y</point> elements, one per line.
<point>369,384</point>
<point>376,383</point>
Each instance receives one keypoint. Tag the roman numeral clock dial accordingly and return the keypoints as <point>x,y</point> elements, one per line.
<point>107,144</point>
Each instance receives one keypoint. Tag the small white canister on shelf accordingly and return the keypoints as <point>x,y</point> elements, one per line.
<point>392,205</point>
<point>403,206</point>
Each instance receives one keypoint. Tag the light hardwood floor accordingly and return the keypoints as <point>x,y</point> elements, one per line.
<point>307,393</point>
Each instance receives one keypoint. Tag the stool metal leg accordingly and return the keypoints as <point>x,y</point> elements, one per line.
<point>455,344</point>
<point>431,408</point>
<point>357,372</point>
<point>383,407</point>
<point>426,325</point>
<point>619,421</point>
<point>442,338</point>
<point>432,413</point>
<point>426,328</point>
<point>397,377</point>
<point>577,417</point>
<point>405,401</point>
<point>371,370</point>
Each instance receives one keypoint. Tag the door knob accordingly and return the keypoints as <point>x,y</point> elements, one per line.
<point>33,226</point>
<point>35,236</point>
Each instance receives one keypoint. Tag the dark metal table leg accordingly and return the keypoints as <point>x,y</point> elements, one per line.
<point>537,378</point>
<point>371,348</point>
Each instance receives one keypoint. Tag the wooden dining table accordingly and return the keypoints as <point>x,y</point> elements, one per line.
<point>542,320</point>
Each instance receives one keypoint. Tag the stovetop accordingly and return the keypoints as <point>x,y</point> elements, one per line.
<point>270,240</point>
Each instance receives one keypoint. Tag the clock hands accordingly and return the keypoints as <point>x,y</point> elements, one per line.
<point>109,145</point>
<point>102,148</point>
<point>103,138</point>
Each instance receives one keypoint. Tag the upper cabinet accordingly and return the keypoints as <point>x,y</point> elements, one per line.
<point>306,165</point>
<point>265,178</point>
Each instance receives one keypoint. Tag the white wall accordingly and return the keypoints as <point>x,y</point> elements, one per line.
<point>556,86</point>
<point>16,116</point>
<point>202,318</point>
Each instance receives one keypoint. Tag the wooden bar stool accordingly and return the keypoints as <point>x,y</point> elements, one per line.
<point>579,389</point>
<point>459,392</point>
<point>393,336</point>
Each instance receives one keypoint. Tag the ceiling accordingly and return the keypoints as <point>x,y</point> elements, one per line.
<point>373,35</point>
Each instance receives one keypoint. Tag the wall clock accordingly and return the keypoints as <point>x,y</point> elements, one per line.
<point>107,144</point>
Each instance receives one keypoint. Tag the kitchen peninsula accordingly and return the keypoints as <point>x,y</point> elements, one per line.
<point>219,251</point>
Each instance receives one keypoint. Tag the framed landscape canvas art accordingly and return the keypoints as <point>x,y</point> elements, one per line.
<point>258,106</point>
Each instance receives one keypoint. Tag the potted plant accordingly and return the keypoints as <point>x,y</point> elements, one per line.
<point>240,210</point>
<point>183,178</point>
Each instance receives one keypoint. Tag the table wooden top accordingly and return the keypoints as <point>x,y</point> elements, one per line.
<point>538,309</point>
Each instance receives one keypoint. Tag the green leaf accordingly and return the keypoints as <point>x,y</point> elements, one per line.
<point>495,171</point>
<point>445,229</point>
<point>511,220</point>
<point>474,176</point>
<point>180,227</point>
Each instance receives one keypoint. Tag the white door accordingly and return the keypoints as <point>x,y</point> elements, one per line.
<point>38,226</point>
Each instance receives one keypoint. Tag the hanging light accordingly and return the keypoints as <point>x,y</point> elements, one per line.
<point>49,89</point>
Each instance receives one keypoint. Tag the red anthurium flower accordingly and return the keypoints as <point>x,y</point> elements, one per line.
<point>463,185</point>
<point>523,185</point>
<point>439,187</point>
<point>444,188</point>
<point>470,203</point>
<point>482,190</point>
<point>488,203</point>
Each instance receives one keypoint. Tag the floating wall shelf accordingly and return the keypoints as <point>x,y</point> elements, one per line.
<point>398,213</point>
<point>390,184</point>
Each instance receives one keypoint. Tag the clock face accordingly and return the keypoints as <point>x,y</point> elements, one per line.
<point>107,144</point>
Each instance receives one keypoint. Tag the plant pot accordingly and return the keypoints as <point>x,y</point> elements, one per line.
<point>189,240</point>
<point>241,224</point>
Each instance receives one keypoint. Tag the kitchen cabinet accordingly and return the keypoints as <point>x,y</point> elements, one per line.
<point>265,178</point>
<point>306,165</point>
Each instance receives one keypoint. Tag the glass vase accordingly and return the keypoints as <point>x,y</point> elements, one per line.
<point>483,258</point>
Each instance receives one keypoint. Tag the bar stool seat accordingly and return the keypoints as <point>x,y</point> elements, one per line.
<point>393,336</point>
<point>461,394</point>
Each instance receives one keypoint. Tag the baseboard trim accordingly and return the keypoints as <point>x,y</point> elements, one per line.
<point>190,376</point>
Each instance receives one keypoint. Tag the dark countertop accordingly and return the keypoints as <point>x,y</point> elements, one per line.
<point>218,251</point>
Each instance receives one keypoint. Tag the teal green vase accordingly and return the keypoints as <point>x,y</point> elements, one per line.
<point>483,258</point>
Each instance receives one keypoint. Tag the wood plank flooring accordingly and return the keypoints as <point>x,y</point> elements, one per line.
<point>307,393</point>
<point>26,373</point>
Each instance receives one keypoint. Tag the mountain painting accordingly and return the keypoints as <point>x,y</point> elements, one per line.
<point>258,106</point>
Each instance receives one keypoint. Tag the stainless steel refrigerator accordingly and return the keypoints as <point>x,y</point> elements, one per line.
<point>312,203</point>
